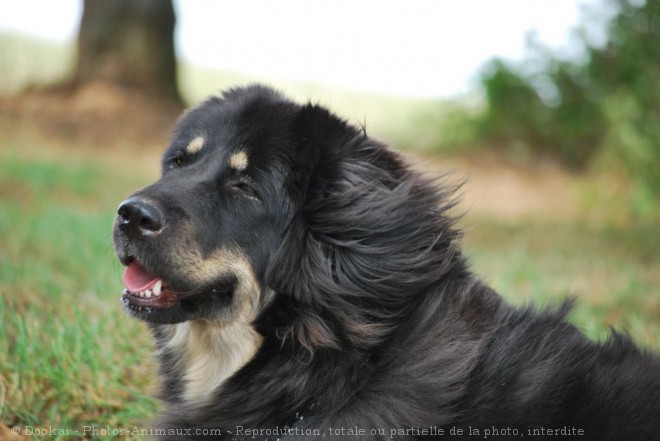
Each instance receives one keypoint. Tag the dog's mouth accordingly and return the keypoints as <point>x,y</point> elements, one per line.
<point>145,289</point>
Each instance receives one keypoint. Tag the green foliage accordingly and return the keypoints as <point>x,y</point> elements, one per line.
<point>608,104</point>
<point>567,123</point>
<point>628,71</point>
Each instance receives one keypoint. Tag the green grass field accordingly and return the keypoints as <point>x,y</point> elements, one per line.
<point>69,358</point>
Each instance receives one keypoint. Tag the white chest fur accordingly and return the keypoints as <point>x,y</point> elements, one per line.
<point>209,353</point>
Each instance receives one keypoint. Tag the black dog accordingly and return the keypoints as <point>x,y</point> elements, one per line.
<point>303,283</point>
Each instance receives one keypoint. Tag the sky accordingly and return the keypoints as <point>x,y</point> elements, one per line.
<point>429,48</point>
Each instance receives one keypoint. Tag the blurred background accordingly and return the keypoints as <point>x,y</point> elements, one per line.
<point>549,110</point>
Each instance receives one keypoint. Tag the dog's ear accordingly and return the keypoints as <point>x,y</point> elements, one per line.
<point>366,234</point>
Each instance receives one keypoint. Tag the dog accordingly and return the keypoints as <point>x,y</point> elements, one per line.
<point>301,281</point>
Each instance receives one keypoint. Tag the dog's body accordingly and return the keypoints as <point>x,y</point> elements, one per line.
<point>301,282</point>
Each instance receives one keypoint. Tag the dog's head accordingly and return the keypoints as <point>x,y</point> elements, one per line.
<point>263,199</point>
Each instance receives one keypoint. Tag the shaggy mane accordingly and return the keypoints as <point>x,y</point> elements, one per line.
<point>372,236</point>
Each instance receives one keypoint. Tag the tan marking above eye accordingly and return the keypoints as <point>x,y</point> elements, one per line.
<point>238,161</point>
<point>195,145</point>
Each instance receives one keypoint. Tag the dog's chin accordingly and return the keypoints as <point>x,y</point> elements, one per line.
<point>170,307</point>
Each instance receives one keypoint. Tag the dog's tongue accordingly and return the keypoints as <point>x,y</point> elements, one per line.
<point>137,278</point>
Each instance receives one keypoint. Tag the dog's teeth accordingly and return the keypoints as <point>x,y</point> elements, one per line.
<point>157,287</point>
<point>147,293</point>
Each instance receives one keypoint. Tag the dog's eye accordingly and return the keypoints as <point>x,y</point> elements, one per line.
<point>245,188</point>
<point>178,162</point>
<point>242,186</point>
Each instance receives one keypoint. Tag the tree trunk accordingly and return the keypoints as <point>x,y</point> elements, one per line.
<point>129,43</point>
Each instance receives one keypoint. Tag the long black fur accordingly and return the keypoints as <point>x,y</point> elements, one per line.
<point>377,328</point>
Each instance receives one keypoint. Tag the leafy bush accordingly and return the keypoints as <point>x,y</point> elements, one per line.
<point>609,104</point>
<point>569,124</point>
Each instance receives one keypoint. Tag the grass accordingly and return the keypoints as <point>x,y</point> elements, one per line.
<point>69,356</point>
<point>611,272</point>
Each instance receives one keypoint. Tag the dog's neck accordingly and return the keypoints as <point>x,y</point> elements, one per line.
<point>207,354</point>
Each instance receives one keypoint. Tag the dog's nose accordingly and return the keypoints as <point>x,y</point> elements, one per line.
<point>137,216</point>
